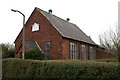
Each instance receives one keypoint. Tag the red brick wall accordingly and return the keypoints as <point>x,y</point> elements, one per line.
<point>88,49</point>
<point>59,46</point>
<point>18,42</point>
<point>102,54</point>
<point>46,33</point>
<point>66,49</point>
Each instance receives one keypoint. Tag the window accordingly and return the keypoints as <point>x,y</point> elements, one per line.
<point>72,51</point>
<point>35,27</point>
<point>91,54</point>
<point>79,51</point>
<point>84,52</point>
<point>47,50</point>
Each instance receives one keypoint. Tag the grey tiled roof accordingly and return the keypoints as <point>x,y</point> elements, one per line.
<point>67,29</point>
<point>30,44</point>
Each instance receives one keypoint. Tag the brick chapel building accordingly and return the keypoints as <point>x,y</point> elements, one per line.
<point>57,38</point>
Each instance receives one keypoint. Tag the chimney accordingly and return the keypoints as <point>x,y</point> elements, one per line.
<point>90,37</point>
<point>50,11</point>
<point>68,19</point>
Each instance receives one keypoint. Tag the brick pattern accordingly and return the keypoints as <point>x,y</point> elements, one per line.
<point>60,47</point>
<point>46,33</point>
<point>101,54</point>
<point>66,49</point>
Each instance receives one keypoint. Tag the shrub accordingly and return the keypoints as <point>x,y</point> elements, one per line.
<point>9,53</point>
<point>8,50</point>
<point>107,60</point>
<point>72,69</point>
<point>34,54</point>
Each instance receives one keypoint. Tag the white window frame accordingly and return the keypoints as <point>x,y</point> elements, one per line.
<point>35,27</point>
<point>73,51</point>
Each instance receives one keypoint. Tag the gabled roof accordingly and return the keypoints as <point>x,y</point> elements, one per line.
<point>67,29</point>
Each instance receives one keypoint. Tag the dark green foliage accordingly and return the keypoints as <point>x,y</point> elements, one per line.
<point>107,60</point>
<point>35,54</point>
<point>8,50</point>
<point>17,68</point>
<point>9,53</point>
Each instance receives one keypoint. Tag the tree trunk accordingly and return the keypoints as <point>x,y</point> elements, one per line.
<point>118,53</point>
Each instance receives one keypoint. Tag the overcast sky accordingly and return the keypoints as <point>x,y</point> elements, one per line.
<point>92,16</point>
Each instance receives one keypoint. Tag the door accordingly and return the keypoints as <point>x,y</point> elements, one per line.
<point>47,50</point>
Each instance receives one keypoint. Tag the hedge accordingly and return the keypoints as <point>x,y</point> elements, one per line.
<point>62,69</point>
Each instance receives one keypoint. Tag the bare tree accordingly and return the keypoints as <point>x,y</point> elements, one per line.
<point>111,41</point>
